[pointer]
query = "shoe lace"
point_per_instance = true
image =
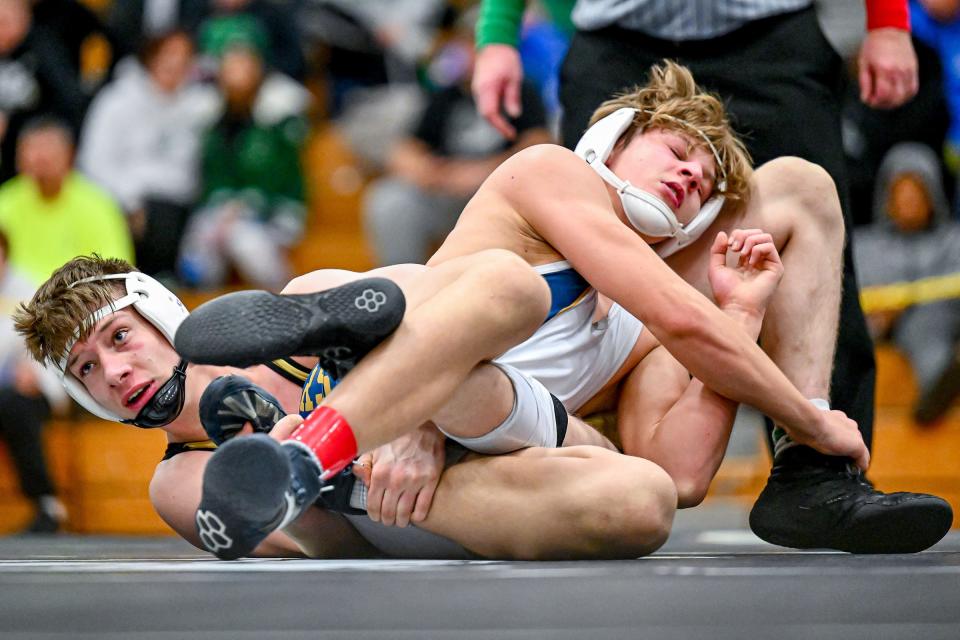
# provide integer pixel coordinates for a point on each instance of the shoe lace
(853, 472)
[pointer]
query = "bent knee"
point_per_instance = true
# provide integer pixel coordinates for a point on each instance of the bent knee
(810, 184)
(638, 503)
(653, 509)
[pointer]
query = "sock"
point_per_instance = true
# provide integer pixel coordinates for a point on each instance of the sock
(52, 506)
(782, 441)
(328, 435)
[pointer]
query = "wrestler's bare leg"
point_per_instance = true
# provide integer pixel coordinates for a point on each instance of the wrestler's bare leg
(460, 313)
(574, 502)
(795, 201)
(538, 504)
(486, 397)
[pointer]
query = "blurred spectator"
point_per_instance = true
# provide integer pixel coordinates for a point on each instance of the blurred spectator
(372, 42)
(543, 45)
(72, 24)
(370, 56)
(252, 209)
(432, 173)
(50, 212)
(27, 394)
(348, 54)
(141, 142)
(136, 21)
(405, 28)
(912, 238)
(35, 77)
(281, 47)
(937, 23)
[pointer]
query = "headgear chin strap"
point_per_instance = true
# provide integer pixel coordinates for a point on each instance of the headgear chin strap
(648, 214)
(159, 306)
(166, 404)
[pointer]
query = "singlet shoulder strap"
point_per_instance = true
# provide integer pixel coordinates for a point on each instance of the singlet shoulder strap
(290, 369)
(176, 448)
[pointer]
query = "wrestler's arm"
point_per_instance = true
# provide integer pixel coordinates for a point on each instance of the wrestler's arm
(674, 420)
(569, 207)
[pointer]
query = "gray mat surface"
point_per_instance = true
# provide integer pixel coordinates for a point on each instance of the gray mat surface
(712, 580)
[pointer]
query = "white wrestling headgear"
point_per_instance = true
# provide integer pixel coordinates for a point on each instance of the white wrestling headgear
(152, 300)
(648, 213)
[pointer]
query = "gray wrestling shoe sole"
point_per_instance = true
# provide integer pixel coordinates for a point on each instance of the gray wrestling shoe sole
(252, 486)
(339, 325)
(243, 500)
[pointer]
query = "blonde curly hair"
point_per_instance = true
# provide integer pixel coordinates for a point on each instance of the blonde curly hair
(672, 101)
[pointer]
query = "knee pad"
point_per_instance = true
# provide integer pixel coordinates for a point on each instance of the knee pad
(538, 419)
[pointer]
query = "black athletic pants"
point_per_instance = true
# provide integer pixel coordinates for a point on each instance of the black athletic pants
(781, 81)
(158, 248)
(21, 422)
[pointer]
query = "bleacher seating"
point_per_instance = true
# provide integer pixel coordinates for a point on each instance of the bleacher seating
(102, 471)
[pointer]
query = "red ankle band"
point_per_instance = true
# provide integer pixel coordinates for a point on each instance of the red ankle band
(329, 436)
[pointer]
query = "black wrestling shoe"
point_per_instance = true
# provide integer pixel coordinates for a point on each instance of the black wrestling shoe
(253, 486)
(339, 325)
(344, 493)
(813, 501)
(44, 523)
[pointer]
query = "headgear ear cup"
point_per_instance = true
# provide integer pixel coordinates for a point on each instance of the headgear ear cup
(599, 140)
(646, 212)
(694, 229)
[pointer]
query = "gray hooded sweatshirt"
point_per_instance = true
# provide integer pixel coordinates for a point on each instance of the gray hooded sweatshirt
(882, 253)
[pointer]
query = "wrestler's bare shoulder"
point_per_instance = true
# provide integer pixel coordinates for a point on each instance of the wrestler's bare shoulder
(539, 161)
(547, 173)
